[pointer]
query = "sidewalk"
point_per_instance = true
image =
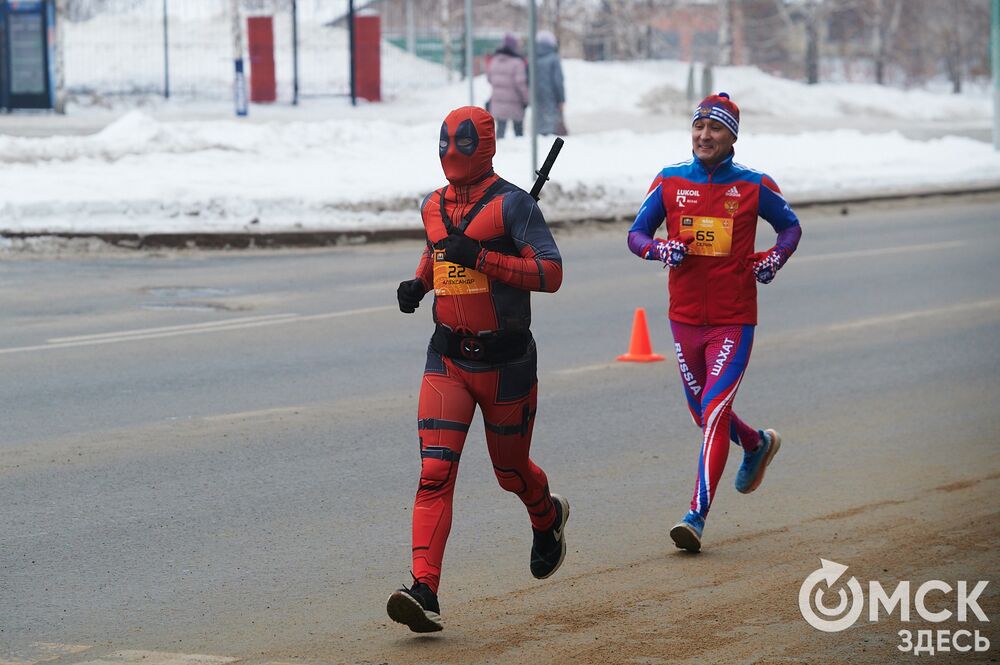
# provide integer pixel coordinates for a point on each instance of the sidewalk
(278, 240)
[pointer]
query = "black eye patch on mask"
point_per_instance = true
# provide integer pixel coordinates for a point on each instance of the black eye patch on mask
(443, 145)
(466, 130)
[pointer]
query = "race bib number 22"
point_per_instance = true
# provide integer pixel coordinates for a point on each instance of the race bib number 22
(452, 279)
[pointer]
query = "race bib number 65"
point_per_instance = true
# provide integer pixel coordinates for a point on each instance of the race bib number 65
(452, 279)
(712, 236)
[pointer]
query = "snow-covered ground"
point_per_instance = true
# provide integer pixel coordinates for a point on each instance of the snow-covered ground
(328, 166)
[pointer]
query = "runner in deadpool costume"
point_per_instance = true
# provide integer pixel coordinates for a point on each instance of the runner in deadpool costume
(488, 248)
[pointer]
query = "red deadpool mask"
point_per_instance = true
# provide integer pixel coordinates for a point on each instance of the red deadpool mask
(468, 143)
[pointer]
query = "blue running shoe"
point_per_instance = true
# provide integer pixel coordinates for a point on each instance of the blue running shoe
(751, 472)
(687, 533)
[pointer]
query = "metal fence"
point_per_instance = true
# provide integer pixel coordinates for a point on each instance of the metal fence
(184, 48)
(136, 47)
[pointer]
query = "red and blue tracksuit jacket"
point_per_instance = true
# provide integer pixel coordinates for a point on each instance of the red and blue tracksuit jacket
(721, 289)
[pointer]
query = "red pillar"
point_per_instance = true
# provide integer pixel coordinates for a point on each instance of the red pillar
(368, 57)
(260, 36)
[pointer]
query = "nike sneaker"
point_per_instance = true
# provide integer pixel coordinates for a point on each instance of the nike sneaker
(548, 548)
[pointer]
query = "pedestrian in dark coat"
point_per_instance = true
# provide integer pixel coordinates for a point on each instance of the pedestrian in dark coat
(507, 72)
(550, 93)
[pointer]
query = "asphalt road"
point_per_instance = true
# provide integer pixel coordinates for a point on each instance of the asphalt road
(215, 453)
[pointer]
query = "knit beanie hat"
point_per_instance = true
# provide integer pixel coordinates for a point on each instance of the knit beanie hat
(509, 42)
(545, 37)
(719, 107)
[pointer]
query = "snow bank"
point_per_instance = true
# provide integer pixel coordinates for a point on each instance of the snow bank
(334, 167)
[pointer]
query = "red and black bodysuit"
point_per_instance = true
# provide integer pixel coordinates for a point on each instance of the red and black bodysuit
(482, 351)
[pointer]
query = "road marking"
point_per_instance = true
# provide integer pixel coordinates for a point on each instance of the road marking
(260, 413)
(916, 314)
(881, 251)
(349, 312)
(810, 333)
(146, 331)
(193, 329)
(591, 368)
(244, 323)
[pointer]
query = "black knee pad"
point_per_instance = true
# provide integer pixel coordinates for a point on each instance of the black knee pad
(437, 467)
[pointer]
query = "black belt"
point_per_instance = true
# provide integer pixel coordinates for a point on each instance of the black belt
(493, 348)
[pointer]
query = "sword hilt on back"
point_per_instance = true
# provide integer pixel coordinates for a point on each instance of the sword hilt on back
(543, 173)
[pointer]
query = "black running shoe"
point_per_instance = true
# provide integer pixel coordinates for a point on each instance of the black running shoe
(417, 607)
(548, 549)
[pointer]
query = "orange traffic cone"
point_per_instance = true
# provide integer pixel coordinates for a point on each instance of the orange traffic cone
(639, 349)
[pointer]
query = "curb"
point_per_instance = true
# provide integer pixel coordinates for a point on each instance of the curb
(238, 240)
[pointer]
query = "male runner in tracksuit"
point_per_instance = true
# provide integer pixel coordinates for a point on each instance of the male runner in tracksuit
(711, 205)
(487, 248)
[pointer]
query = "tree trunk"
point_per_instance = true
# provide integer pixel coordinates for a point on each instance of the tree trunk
(812, 51)
(557, 21)
(955, 52)
(953, 62)
(60, 62)
(648, 51)
(725, 33)
(446, 56)
(884, 26)
(878, 41)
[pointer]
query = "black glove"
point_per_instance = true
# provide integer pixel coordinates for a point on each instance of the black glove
(460, 248)
(409, 294)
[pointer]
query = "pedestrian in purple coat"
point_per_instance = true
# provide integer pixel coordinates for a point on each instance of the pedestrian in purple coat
(507, 72)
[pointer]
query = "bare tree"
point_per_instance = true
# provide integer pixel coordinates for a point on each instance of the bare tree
(624, 26)
(60, 56)
(958, 36)
(446, 55)
(725, 50)
(765, 35)
(884, 22)
(573, 23)
(811, 16)
(82, 10)
(555, 18)
(952, 47)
